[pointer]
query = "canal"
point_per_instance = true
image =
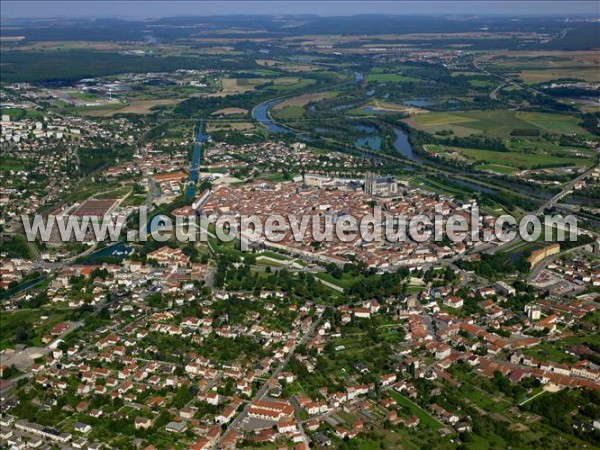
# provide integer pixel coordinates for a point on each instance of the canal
(201, 138)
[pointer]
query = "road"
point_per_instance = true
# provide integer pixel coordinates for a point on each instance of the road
(477, 63)
(548, 204)
(235, 424)
(494, 93)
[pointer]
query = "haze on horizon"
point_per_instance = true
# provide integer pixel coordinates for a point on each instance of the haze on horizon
(160, 9)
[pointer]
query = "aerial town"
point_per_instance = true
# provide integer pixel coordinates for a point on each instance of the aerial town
(300, 340)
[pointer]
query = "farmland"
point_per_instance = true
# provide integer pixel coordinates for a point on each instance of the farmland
(391, 78)
(509, 161)
(496, 123)
(538, 66)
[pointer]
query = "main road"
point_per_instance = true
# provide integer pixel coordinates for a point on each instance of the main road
(549, 204)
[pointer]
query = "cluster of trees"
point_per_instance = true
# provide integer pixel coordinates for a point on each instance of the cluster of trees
(380, 286)
(479, 142)
(562, 409)
(591, 122)
(240, 277)
(494, 266)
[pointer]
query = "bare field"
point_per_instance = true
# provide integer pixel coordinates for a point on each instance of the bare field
(135, 107)
(284, 65)
(286, 81)
(304, 99)
(540, 76)
(232, 86)
(540, 66)
(394, 107)
(230, 111)
(70, 45)
(212, 127)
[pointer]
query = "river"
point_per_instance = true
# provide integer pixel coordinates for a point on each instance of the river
(261, 113)
(401, 143)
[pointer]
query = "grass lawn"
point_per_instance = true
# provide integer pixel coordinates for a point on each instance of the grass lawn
(345, 282)
(550, 351)
(274, 255)
(11, 321)
(480, 83)
(484, 400)
(12, 164)
(416, 410)
(477, 443)
(347, 417)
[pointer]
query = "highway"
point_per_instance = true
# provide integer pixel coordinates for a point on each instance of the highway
(548, 204)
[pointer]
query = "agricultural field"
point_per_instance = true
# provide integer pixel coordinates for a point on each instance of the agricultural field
(230, 111)
(289, 112)
(391, 78)
(539, 66)
(233, 86)
(481, 83)
(377, 106)
(508, 161)
(141, 107)
(304, 99)
(287, 65)
(496, 123)
(293, 108)
(212, 127)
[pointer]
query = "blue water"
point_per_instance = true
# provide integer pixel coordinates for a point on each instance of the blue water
(372, 142)
(118, 250)
(371, 110)
(366, 128)
(358, 77)
(342, 107)
(260, 113)
(402, 145)
(196, 159)
(22, 287)
(322, 130)
(417, 102)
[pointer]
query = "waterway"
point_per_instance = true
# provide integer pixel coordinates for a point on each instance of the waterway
(201, 138)
(371, 142)
(117, 250)
(402, 145)
(261, 113)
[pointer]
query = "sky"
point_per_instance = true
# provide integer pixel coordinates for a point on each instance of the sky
(144, 9)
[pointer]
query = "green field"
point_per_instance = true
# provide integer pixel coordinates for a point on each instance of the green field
(12, 322)
(345, 282)
(391, 78)
(502, 161)
(496, 123)
(12, 164)
(423, 415)
(497, 168)
(481, 83)
(289, 112)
